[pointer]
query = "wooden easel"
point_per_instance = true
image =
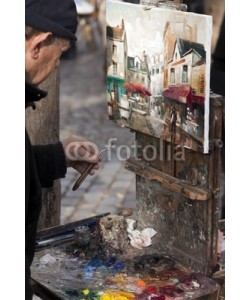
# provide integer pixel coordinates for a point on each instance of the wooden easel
(185, 214)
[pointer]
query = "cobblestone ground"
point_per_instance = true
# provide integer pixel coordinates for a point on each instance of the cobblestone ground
(83, 112)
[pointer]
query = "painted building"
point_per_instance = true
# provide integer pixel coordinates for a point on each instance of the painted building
(186, 70)
(172, 31)
(186, 85)
(137, 70)
(156, 65)
(117, 49)
(187, 66)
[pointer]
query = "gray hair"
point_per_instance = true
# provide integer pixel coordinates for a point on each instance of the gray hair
(29, 32)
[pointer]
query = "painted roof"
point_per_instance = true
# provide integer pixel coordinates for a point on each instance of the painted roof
(116, 33)
(186, 46)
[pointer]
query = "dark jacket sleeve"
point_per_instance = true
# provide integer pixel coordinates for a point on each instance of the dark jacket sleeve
(50, 163)
(28, 288)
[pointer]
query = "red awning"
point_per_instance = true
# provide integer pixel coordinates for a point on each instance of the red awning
(142, 89)
(198, 99)
(137, 87)
(129, 87)
(183, 94)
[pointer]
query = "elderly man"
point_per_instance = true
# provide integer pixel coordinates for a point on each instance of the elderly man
(50, 26)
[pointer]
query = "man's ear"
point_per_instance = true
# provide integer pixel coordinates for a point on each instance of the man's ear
(37, 42)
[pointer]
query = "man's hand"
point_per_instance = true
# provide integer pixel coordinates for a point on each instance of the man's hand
(80, 153)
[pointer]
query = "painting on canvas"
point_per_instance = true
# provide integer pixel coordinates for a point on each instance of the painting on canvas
(158, 68)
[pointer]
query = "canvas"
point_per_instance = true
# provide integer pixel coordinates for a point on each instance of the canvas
(158, 69)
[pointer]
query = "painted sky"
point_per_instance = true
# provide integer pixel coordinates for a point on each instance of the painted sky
(145, 28)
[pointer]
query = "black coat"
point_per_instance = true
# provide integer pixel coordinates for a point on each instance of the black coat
(43, 164)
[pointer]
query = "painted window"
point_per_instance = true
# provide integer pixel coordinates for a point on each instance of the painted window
(114, 49)
(114, 68)
(185, 74)
(172, 75)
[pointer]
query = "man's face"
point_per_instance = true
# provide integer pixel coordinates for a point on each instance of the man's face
(43, 56)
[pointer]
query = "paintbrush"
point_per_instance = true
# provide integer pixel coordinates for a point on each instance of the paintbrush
(85, 173)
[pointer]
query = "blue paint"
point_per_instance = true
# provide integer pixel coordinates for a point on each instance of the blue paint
(118, 267)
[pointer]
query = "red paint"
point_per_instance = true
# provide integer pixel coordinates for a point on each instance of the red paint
(137, 87)
(167, 290)
(151, 290)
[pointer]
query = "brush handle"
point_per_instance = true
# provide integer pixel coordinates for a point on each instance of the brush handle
(82, 177)
(85, 174)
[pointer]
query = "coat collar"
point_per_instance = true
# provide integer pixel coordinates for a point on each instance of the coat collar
(32, 94)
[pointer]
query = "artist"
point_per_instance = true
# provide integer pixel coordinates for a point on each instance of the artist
(50, 26)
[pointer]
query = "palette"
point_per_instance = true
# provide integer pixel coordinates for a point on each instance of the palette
(66, 273)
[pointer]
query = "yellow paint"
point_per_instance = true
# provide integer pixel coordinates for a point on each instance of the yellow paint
(105, 297)
(85, 292)
(117, 295)
(127, 295)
